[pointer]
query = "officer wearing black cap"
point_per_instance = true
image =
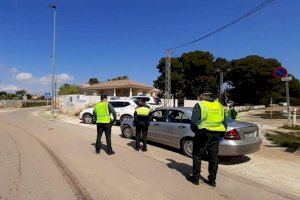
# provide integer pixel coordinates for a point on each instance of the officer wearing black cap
(209, 125)
(141, 121)
(102, 115)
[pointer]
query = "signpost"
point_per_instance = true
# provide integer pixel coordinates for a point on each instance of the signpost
(47, 97)
(282, 73)
(286, 80)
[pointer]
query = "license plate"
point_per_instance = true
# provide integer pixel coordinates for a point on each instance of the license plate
(251, 135)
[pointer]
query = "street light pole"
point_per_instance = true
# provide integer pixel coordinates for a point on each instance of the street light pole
(53, 7)
(221, 83)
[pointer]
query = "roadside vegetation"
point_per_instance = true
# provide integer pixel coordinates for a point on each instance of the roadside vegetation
(14, 96)
(249, 79)
(296, 127)
(34, 103)
(290, 139)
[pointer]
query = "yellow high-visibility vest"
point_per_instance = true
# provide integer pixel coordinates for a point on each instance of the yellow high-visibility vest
(102, 111)
(229, 114)
(142, 111)
(212, 116)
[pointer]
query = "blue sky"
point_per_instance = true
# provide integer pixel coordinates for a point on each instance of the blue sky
(104, 39)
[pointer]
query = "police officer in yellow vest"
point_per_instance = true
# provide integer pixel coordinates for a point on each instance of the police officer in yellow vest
(209, 126)
(141, 121)
(232, 113)
(102, 115)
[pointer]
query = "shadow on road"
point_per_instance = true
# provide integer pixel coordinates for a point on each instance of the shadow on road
(233, 160)
(183, 168)
(57, 115)
(131, 144)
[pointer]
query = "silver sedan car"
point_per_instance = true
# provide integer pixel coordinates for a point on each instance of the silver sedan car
(171, 127)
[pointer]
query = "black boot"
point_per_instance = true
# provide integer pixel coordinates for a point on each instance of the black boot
(137, 146)
(110, 151)
(212, 183)
(144, 149)
(193, 179)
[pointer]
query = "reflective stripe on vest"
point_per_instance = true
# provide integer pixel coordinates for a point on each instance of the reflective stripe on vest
(212, 116)
(102, 112)
(142, 111)
(229, 114)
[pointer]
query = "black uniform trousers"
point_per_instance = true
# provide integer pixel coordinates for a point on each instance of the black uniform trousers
(206, 141)
(107, 129)
(141, 128)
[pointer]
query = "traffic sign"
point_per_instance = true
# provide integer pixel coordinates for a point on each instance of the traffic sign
(48, 95)
(287, 78)
(279, 72)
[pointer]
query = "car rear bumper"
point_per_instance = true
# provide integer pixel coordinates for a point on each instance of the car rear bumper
(239, 147)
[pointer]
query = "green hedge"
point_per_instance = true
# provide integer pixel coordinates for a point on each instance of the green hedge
(34, 103)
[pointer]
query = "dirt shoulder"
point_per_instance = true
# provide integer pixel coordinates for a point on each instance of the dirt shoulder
(274, 166)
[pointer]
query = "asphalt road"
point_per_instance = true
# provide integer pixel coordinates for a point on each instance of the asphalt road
(48, 159)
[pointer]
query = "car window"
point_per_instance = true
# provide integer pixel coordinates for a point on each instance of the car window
(119, 104)
(175, 116)
(126, 104)
(158, 116)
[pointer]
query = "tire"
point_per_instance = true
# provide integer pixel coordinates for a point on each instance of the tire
(187, 147)
(125, 117)
(87, 118)
(127, 131)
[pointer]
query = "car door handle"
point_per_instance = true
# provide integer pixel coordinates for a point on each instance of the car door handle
(155, 124)
(181, 127)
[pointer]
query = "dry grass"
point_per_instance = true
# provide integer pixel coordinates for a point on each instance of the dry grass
(290, 139)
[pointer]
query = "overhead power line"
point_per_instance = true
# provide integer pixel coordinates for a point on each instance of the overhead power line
(247, 14)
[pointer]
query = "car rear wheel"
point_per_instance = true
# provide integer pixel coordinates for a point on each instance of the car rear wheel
(187, 147)
(87, 118)
(125, 117)
(127, 131)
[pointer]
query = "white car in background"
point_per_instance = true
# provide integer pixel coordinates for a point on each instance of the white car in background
(124, 109)
(152, 102)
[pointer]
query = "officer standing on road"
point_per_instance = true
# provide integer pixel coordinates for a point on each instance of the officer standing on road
(232, 113)
(209, 126)
(102, 115)
(141, 121)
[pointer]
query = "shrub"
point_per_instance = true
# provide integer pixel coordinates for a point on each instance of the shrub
(291, 139)
(34, 103)
(296, 127)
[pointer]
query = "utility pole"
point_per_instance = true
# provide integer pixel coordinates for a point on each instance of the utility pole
(53, 7)
(167, 77)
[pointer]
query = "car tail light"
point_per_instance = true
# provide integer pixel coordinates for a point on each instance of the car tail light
(232, 135)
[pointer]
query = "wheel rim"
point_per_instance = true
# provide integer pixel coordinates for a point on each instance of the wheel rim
(127, 132)
(88, 119)
(188, 147)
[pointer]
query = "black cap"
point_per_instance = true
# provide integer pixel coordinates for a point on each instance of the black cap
(103, 96)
